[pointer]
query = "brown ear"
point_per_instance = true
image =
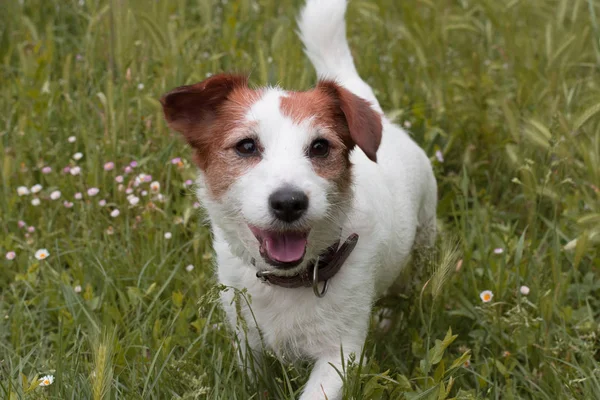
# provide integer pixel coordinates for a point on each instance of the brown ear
(364, 123)
(189, 109)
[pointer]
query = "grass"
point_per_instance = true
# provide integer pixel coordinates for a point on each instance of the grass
(505, 92)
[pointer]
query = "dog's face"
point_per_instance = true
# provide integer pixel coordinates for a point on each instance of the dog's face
(274, 165)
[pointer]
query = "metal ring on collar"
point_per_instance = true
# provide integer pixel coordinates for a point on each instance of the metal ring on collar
(315, 282)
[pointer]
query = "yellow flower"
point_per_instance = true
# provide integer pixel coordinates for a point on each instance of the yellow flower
(42, 254)
(486, 296)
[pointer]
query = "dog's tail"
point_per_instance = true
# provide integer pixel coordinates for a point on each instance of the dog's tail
(322, 29)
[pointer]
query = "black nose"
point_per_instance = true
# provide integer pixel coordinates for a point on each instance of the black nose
(288, 204)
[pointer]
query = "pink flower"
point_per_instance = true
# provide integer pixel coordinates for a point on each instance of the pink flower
(499, 250)
(31, 229)
(196, 205)
(68, 204)
(21, 224)
(102, 203)
(109, 166)
(67, 169)
(119, 179)
(133, 164)
(129, 191)
(93, 191)
(176, 160)
(147, 178)
(78, 196)
(128, 169)
(46, 170)
(75, 170)
(188, 182)
(11, 255)
(439, 156)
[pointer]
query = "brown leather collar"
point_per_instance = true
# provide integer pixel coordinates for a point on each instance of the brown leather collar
(329, 262)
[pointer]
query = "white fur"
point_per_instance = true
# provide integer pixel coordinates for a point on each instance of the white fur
(393, 207)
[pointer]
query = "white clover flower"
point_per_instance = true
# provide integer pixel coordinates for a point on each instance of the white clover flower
(524, 290)
(22, 191)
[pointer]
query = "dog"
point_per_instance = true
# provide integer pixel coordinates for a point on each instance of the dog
(315, 199)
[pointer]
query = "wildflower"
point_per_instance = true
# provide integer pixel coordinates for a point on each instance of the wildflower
(120, 187)
(21, 224)
(196, 205)
(109, 166)
(68, 204)
(31, 229)
(93, 191)
(467, 364)
(506, 353)
(524, 290)
(133, 164)
(77, 156)
(155, 186)
(133, 200)
(78, 196)
(176, 160)
(140, 86)
(46, 170)
(110, 230)
(498, 250)
(129, 190)
(72, 139)
(486, 296)
(22, 191)
(128, 169)
(11, 255)
(115, 213)
(407, 124)
(35, 202)
(102, 203)
(77, 289)
(168, 235)
(439, 156)
(66, 169)
(42, 254)
(55, 195)
(75, 170)
(144, 193)
(189, 268)
(119, 179)
(160, 198)
(36, 188)
(147, 178)
(189, 182)
(46, 380)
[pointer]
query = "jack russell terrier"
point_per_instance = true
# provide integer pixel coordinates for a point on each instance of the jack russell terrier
(315, 200)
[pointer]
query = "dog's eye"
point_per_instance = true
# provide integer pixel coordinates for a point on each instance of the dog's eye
(246, 147)
(319, 148)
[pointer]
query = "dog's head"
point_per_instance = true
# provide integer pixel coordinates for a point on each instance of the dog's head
(275, 167)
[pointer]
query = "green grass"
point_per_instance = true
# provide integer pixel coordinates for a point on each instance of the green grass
(507, 91)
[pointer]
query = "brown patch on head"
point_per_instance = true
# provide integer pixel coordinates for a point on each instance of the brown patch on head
(343, 119)
(211, 115)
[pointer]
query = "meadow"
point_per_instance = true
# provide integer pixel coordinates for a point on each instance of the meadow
(106, 277)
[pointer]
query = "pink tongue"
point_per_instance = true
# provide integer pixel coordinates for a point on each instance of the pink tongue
(285, 247)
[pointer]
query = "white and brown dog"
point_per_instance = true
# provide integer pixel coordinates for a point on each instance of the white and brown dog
(315, 198)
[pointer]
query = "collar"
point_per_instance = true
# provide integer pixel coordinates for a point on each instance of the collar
(322, 269)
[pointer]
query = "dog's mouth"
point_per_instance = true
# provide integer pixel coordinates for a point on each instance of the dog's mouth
(282, 249)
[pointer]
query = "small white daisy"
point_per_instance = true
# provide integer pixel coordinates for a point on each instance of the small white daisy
(11, 255)
(168, 235)
(77, 156)
(115, 213)
(77, 289)
(486, 296)
(55, 195)
(36, 188)
(46, 380)
(35, 202)
(78, 196)
(42, 254)
(524, 290)
(140, 86)
(189, 268)
(155, 186)
(72, 139)
(93, 191)
(22, 191)
(75, 170)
